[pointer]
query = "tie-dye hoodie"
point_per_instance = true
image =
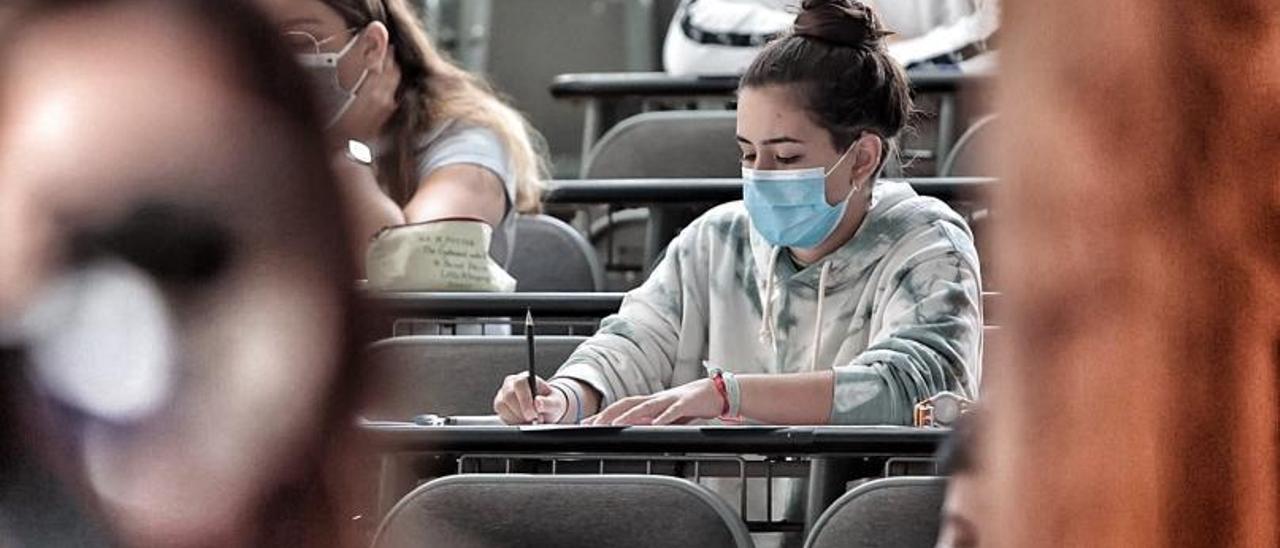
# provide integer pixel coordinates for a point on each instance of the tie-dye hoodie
(896, 311)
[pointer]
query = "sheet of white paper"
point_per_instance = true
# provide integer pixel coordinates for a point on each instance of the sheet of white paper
(743, 428)
(567, 427)
(366, 422)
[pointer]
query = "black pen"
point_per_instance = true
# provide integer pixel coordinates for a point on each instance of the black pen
(533, 373)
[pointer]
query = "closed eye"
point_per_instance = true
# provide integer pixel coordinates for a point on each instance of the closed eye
(788, 160)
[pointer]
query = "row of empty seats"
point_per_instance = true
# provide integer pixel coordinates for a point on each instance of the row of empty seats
(938, 91)
(512, 510)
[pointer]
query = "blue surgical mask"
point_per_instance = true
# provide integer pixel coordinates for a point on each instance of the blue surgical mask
(789, 206)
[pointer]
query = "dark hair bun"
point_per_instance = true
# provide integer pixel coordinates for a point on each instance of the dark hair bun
(841, 22)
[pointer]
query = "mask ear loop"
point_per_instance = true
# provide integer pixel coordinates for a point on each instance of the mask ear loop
(833, 169)
(353, 94)
(347, 48)
(351, 100)
(328, 58)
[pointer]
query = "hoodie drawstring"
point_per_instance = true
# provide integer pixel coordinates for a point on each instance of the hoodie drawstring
(768, 331)
(817, 323)
(766, 307)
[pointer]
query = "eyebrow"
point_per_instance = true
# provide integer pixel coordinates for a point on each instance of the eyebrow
(773, 141)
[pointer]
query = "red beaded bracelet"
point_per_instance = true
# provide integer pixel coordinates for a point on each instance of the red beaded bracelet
(718, 380)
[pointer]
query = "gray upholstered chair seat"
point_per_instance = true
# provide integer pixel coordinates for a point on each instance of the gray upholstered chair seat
(899, 512)
(513, 511)
(551, 256)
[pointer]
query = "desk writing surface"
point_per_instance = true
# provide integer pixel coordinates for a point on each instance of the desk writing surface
(789, 440)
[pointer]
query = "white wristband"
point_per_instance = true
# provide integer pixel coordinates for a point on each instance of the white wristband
(734, 390)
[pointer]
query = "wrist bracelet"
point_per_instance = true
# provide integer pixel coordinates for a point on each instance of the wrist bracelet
(730, 391)
(735, 394)
(565, 413)
(568, 389)
(718, 380)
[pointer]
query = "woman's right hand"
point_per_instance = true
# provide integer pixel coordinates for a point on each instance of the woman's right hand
(514, 405)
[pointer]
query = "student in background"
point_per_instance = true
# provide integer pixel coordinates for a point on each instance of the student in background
(721, 37)
(940, 32)
(444, 145)
(826, 297)
(173, 284)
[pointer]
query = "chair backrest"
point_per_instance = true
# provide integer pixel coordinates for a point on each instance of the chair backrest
(451, 375)
(970, 155)
(510, 510)
(902, 512)
(550, 256)
(680, 143)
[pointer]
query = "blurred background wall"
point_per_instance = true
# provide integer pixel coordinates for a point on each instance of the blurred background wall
(543, 38)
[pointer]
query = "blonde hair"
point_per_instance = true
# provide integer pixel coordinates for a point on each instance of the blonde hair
(434, 90)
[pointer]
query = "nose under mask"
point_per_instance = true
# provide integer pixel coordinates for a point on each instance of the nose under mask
(789, 207)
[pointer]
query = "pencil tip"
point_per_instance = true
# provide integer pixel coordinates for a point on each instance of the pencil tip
(528, 316)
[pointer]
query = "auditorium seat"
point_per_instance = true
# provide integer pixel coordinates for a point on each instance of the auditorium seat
(450, 375)
(900, 512)
(968, 158)
(680, 143)
(509, 510)
(550, 256)
(669, 144)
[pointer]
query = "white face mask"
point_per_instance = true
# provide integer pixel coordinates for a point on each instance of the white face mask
(323, 69)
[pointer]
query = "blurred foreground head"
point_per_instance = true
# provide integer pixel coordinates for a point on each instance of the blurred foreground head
(173, 295)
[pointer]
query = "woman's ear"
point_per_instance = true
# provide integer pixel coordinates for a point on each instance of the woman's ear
(866, 158)
(374, 47)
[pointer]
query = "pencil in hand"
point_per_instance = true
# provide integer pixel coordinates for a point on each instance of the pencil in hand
(533, 373)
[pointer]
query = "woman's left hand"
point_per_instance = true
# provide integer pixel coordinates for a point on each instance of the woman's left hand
(696, 400)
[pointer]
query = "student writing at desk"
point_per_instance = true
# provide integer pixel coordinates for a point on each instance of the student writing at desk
(826, 297)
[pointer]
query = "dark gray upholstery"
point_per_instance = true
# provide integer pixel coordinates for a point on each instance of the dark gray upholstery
(551, 256)
(680, 143)
(619, 241)
(668, 144)
(450, 375)
(513, 511)
(885, 513)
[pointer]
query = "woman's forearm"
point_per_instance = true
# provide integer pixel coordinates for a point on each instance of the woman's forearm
(793, 398)
(368, 209)
(371, 211)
